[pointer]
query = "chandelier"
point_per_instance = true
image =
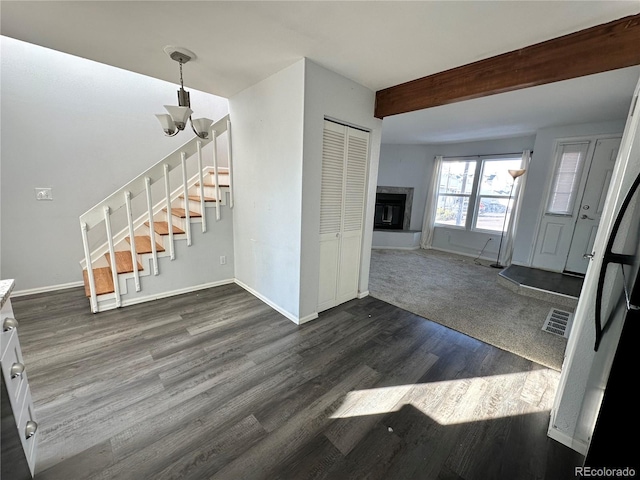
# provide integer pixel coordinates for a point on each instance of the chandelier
(176, 120)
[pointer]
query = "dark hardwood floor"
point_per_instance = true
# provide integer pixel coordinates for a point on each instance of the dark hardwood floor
(217, 385)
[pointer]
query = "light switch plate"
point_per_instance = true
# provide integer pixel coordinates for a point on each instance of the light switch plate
(43, 193)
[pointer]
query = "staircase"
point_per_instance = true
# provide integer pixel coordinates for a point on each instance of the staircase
(133, 233)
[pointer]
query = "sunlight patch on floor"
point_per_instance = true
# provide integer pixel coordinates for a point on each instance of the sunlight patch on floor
(462, 400)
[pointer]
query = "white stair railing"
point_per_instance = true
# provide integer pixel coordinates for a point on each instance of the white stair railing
(100, 214)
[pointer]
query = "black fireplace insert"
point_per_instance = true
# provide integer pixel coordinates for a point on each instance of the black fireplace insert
(389, 214)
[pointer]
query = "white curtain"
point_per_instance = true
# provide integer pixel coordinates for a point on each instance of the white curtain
(509, 234)
(428, 222)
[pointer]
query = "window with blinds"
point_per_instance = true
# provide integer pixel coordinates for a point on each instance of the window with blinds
(569, 162)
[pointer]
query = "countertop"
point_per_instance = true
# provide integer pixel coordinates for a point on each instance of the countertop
(6, 286)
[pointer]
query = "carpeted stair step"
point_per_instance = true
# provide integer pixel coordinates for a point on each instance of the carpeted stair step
(143, 244)
(103, 279)
(124, 264)
(182, 213)
(162, 228)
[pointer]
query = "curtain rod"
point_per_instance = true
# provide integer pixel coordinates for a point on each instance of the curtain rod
(485, 155)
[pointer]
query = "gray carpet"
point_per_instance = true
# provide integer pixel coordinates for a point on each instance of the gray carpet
(454, 291)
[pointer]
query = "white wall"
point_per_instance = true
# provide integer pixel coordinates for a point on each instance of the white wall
(408, 166)
(277, 145)
(267, 137)
(328, 94)
(82, 128)
(538, 178)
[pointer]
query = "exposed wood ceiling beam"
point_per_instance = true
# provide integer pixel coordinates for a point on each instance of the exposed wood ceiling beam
(597, 49)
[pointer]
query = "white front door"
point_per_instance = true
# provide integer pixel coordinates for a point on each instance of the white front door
(595, 192)
(572, 212)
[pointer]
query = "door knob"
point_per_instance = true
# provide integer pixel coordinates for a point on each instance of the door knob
(30, 429)
(588, 256)
(9, 324)
(17, 369)
(586, 217)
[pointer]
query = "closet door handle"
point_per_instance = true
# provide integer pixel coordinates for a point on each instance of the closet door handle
(9, 324)
(17, 369)
(30, 429)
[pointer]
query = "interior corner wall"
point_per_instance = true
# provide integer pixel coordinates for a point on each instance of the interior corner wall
(539, 176)
(267, 138)
(82, 128)
(330, 95)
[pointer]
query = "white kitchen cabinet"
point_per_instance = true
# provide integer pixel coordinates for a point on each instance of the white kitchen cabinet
(19, 427)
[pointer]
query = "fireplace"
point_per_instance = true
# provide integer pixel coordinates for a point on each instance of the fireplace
(393, 208)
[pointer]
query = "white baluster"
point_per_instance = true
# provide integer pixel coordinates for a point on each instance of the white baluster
(112, 254)
(152, 228)
(134, 255)
(185, 190)
(229, 150)
(215, 172)
(87, 256)
(167, 190)
(201, 189)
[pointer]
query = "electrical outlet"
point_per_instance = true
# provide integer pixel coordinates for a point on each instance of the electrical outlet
(223, 260)
(44, 194)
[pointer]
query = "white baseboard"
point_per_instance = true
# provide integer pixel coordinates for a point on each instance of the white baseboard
(277, 308)
(363, 294)
(470, 255)
(172, 293)
(308, 318)
(566, 440)
(50, 288)
(395, 248)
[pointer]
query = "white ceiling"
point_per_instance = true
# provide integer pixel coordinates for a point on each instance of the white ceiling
(375, 43)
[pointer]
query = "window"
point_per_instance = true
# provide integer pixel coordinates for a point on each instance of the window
(454, 190)
(566, 178)
(474, 193)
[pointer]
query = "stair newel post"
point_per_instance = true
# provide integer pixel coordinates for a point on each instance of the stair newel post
(201, 187)
(112, 253)
(87, 256)
(214, 137)
(185, 189)
(134, 255)
(229, 152)
(152, 228)
(167, 191)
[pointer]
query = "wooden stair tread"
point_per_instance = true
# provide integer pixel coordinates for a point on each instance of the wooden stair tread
(196, 198)
(211, 184)
(182, 213)
(123, 262)
(143, 244)
(103, 279)
(162, 228)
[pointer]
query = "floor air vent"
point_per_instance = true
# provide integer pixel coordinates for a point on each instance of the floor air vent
(558, 322)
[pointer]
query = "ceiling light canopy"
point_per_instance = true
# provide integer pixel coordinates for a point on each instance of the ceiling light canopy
(176, 120)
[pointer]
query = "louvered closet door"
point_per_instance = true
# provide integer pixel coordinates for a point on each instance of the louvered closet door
(344, 172)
